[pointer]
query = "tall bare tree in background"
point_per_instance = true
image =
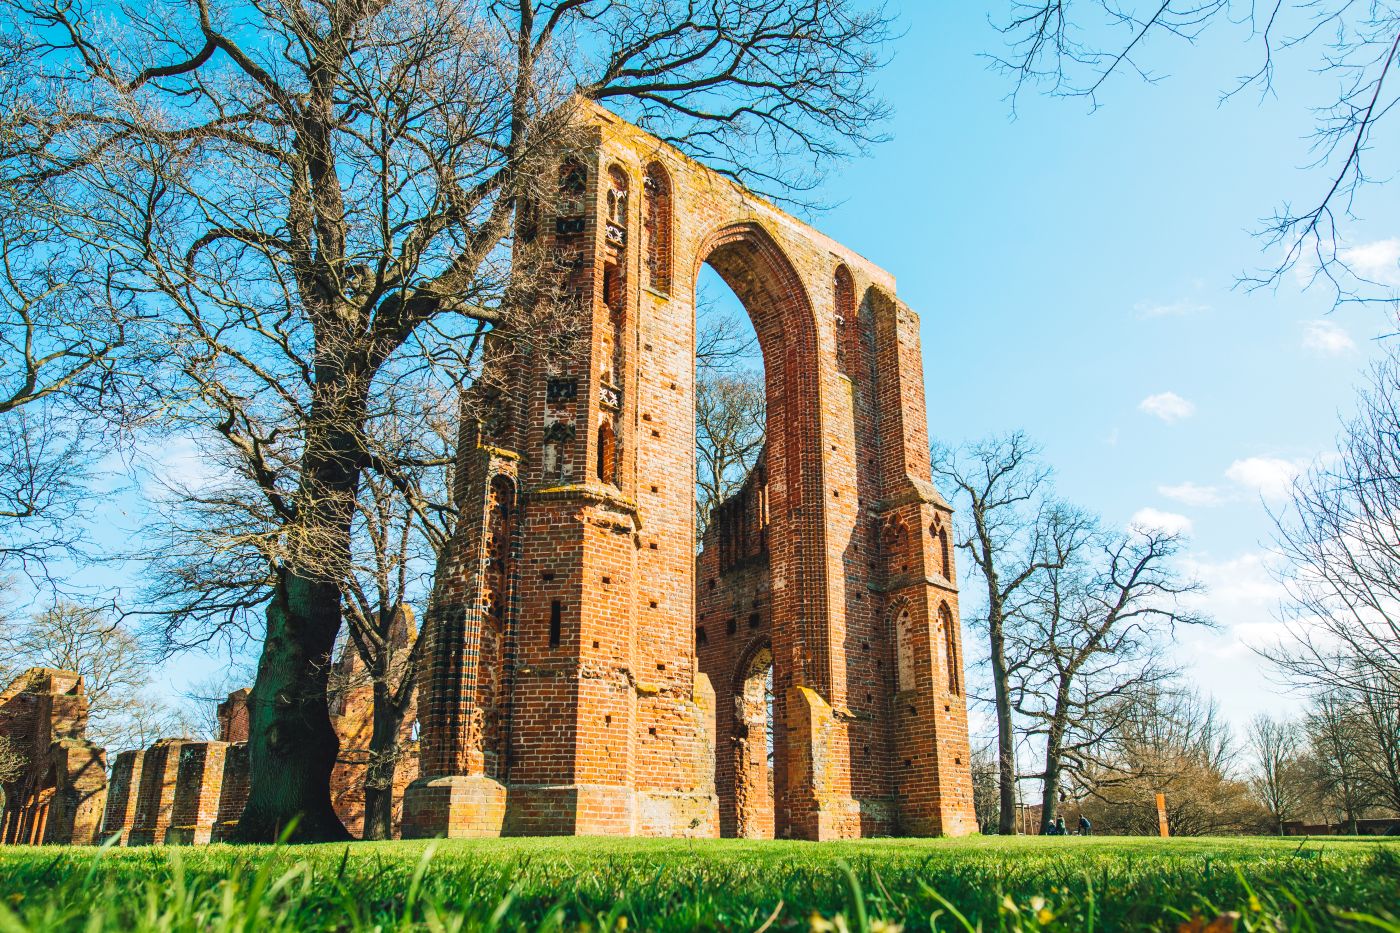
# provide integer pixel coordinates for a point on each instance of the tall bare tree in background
(1278, 776)
(730, 404)
(1341, 542)
(1090, 641)
(116, 670)
(1170, 741)
(1336, 739)
(1013, 530)
(1075, 50)
(61, 350)
(317, 196)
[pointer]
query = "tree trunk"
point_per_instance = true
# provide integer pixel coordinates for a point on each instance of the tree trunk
(1006, 738)
(1054, 754)
(291, 744)
(292, 747)
(384, 753)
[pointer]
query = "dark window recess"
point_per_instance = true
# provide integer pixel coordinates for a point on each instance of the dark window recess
(732, 626)
(700, 637)
(755, 620)
(567, 226)
(556, 622)
(562, 390)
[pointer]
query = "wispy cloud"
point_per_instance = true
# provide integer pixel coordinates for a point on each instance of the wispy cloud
(1146, 309)
(1189, 493)
(1168, 406)
(1378, 261)
(1150, 519)
(1327, 337)
(1270, 477)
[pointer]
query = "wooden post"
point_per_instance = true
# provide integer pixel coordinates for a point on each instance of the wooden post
(1162, 816)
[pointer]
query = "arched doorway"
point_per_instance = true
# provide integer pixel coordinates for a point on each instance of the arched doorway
(761, 598)
(754, 754)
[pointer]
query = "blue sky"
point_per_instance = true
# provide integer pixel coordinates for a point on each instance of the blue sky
(1075, 274)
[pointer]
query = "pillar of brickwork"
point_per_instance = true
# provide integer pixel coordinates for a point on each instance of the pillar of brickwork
(929, 709)
(233, 716)
(155, 798)
(121, 796)
(233, 792)
(198, 788)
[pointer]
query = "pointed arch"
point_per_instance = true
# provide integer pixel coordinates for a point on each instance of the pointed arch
(656, 226)
(950, 652)
(847, 327)
(905, 667)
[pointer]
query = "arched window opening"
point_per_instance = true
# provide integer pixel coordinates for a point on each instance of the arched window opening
(607, 453)
(904, 649)
(656, 223)
(847, 327)
(945, 558)
(618, 187)
(573, 179)
(754, 751)
(945, 622)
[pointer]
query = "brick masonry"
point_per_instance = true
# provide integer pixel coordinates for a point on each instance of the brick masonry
(565, 689)
(60, 795)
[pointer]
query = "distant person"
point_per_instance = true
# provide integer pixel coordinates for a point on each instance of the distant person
(1060, 829)
(1049, 829)
(1085, 827)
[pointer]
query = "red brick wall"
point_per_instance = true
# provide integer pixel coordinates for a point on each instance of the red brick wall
(598, 717)
(60, 795)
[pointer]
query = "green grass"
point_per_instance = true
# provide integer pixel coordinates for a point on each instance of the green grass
(615, 884)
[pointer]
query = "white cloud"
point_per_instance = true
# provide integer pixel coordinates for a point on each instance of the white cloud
(1193, 494)
(1150, 519)
(1173, 309)
(1378, 261)
(1168, 406)
(1269, 477)
(1327, 337)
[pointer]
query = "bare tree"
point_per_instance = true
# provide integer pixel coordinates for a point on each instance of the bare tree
(311, 195)
(986, 796)
(1074, 50)
(1336, 740)
(1013, 531)
(12, 765)
(1091, 637)
(729, 436)
(1341, 541)
(1174, 743)
(1277, 777)
(115, 667)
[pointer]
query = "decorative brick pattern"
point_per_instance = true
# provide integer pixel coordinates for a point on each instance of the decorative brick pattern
(566, 685)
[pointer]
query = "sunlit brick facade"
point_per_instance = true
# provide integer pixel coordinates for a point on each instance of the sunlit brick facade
(567, 688)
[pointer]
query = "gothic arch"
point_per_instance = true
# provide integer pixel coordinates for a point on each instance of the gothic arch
(656, 225)
(760, 273)
(949, 650)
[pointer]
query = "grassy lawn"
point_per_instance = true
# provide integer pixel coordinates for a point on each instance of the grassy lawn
(619, 884)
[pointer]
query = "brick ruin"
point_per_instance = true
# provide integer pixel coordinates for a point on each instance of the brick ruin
(181, 791)
(588, 674)
(59, 794)
(178, 791)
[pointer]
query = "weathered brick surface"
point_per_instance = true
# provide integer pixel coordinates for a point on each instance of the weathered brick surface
(60, 795)
(564, 690)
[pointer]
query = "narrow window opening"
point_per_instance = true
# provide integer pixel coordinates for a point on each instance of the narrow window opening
(556, 623)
